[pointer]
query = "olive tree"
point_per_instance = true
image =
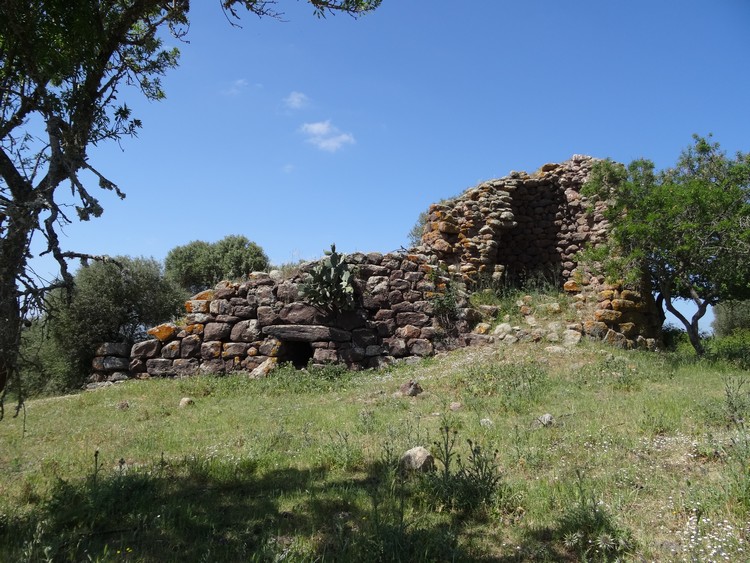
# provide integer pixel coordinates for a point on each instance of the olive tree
(730, 316)
(66, 69)
(198, 265)
(113, 301)
(686, 228)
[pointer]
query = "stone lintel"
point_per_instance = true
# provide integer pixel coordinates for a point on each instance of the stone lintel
(307, 333)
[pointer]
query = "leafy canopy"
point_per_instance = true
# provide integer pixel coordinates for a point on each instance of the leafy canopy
(66, 68)
(730, 316)
(113, 301)
(686, 228)
(199, 265)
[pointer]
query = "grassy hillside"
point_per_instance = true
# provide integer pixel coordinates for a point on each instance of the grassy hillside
(646, 458)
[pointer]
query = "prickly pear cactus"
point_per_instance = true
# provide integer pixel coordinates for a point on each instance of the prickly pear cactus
(330, 283)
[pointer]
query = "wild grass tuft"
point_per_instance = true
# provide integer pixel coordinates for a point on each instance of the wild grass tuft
(514, 385)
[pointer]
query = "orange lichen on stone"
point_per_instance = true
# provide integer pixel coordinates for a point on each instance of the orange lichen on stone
(197, 306)
(595, 328)
(630, 295)
(572, 286)
(446, 227)
(443, 246)
(163, 332)
(607, 315)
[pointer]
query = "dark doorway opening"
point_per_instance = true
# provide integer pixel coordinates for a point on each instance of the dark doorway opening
(298, 353)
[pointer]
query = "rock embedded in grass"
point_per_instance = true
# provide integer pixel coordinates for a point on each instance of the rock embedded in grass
(417, 459)
(411, 388)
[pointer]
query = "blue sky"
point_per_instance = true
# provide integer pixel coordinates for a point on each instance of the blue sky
(310, 131)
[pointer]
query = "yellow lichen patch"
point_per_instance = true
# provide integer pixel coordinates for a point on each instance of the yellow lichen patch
(629, 329)
(622, 305)
(630, 295)
(441, 245)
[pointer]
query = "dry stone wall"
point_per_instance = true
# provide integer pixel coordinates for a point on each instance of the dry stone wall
(253, 325)
(503, 230)
(527, 225)
(522, 224)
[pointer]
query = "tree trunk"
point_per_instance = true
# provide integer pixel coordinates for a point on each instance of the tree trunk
(10, 329)
(695, 340)
(691, 326)
(14, 246)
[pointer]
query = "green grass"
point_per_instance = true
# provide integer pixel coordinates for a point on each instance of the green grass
(647, 459)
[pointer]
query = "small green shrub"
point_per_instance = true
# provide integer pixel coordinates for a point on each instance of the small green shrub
(414, 237)
(445, 301)
(736, 400)
(113, 301)
(730, 316)
(465, 486)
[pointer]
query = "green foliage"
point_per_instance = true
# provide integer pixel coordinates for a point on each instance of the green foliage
(199, 265)
(289, 380)
(736, 400)
(686, 229)
(729, 316)
(65, 67)
(341, 452)
(734, 348)
(330, 283)
(111, 302)
(445, 307)
(415, 234)
(538, 284)
(445, 300)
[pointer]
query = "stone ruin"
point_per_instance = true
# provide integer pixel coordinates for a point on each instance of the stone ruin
(501, 231)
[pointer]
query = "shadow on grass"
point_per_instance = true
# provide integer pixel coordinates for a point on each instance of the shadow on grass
(211, 510)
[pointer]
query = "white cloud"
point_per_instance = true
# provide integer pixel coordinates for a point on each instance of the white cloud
(236, 87)
(296, 100)
(326, 136)
(317, 129)
(332, 144)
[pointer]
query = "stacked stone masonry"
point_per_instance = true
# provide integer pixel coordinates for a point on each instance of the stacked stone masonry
(504, 230)
(518, 225)
(252, 325)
